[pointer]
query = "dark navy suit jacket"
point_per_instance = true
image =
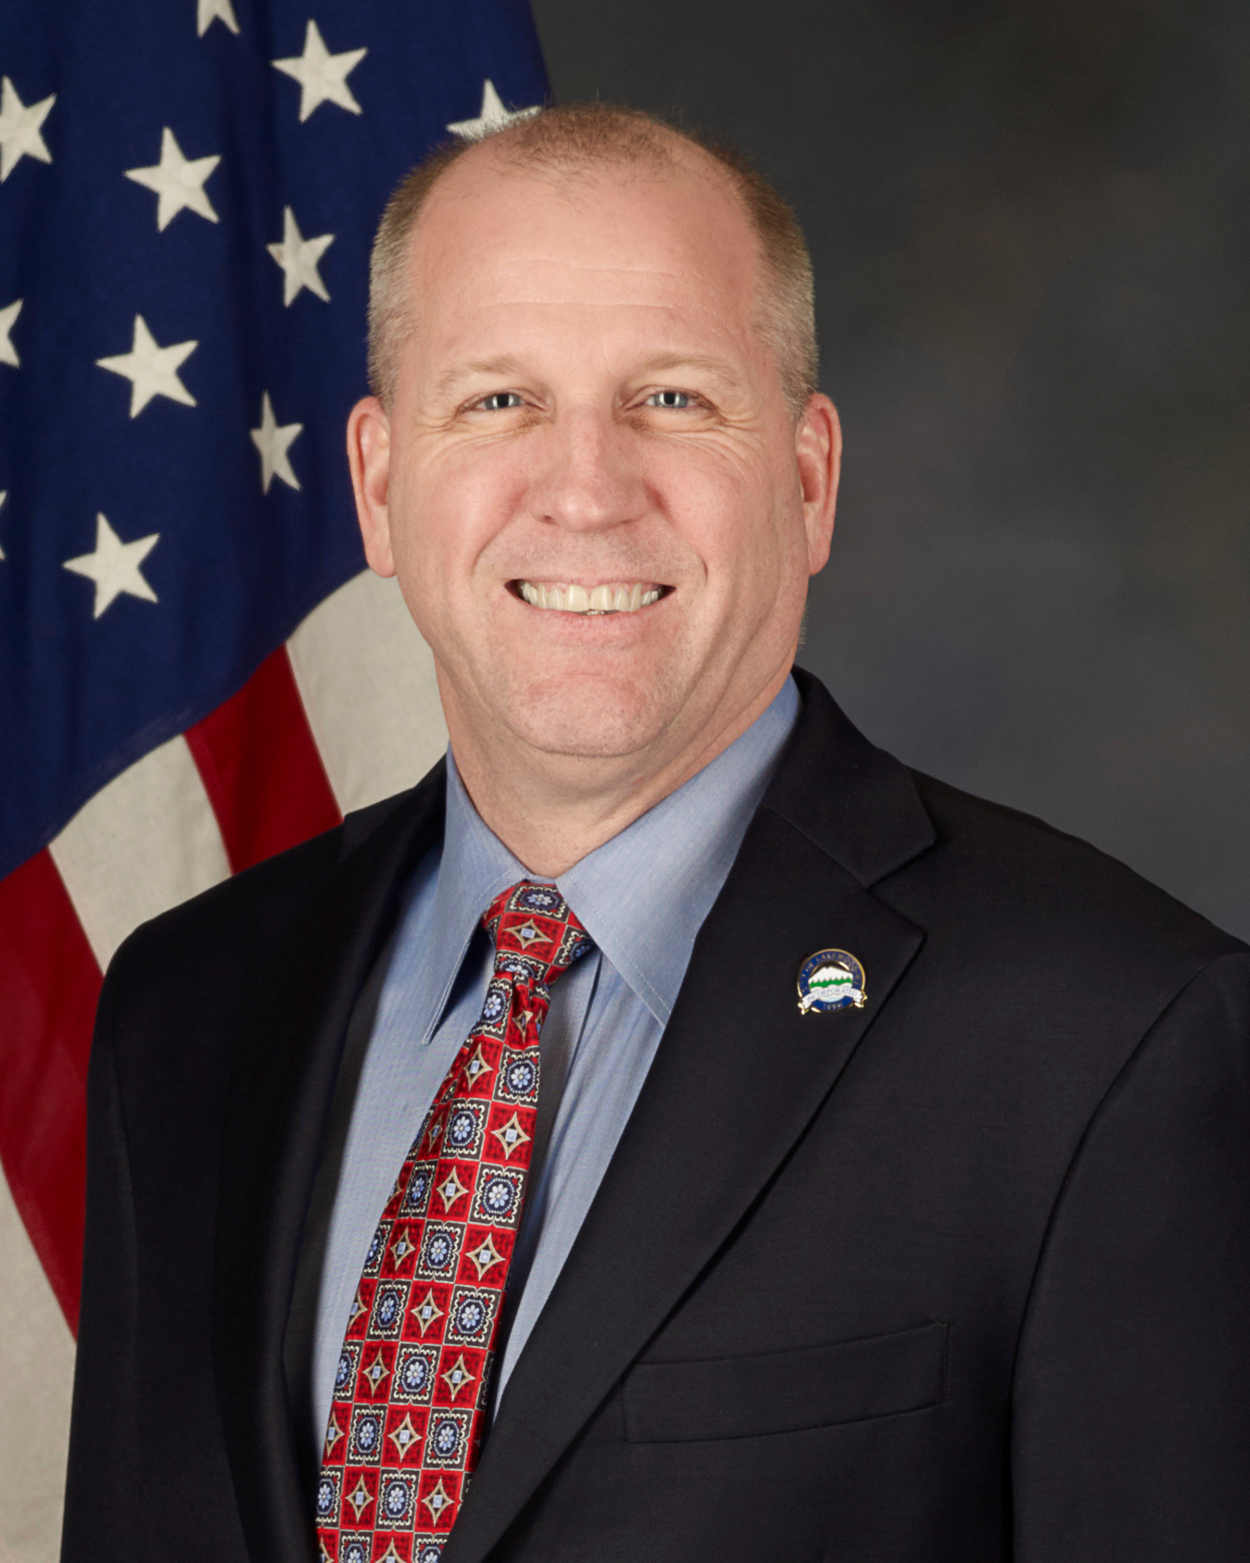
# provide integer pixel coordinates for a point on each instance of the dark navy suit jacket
(962, 1276)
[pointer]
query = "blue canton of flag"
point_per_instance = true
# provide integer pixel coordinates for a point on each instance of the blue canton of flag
(188, 189)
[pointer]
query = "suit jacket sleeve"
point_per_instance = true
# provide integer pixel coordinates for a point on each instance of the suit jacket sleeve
(103, 1456)
(1131, 1437)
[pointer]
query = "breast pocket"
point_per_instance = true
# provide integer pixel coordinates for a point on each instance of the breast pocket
(784, 1391)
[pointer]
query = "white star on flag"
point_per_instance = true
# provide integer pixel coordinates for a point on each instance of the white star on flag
(322, 76)
(114, 566)
(273, 440)
(151, 370)
(20, 129)
(210, 11)
(493, 116)
(178, 181)
(8, 318)
(298, 258)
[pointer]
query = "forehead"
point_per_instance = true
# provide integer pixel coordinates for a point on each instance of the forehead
(603, 243)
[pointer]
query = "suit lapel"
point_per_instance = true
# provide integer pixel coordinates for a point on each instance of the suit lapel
(308, 964)
(737, 1079)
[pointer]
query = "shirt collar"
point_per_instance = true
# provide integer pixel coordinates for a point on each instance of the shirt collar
(474, 868)
(643, 895)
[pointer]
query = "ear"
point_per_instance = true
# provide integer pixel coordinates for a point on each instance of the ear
(818, 448)
(369, 455)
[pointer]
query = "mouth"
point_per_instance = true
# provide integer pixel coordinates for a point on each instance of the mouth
(590, 601)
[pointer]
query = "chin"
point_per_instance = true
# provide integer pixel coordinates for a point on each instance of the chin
(592, 719)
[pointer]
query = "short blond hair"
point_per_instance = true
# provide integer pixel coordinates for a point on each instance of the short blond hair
(572, 138)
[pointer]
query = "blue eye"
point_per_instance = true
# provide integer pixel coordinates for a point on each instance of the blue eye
(677, 400)
(499, 401)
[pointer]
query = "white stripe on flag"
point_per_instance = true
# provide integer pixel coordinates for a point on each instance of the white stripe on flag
(145, 842)
(36, 1372)
(366, 678)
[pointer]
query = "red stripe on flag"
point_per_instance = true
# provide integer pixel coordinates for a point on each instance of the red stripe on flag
(49, 984)
(261, 768)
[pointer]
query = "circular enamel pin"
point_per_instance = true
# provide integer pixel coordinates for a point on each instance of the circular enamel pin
(829, 980)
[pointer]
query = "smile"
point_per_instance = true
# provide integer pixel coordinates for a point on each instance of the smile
(617, 597)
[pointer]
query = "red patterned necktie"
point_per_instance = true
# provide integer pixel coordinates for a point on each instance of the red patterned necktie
(406, 1421)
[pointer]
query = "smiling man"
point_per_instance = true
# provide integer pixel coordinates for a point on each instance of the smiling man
(674, 1130)
(601, 502)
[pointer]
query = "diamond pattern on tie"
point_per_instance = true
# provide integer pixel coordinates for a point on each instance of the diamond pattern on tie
(409, 1401)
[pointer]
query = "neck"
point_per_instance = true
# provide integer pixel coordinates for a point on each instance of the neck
(551, 810)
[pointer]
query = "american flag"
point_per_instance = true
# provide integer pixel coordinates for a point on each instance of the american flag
(194, 671)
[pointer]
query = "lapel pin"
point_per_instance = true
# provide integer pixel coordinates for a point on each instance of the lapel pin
(829, 980)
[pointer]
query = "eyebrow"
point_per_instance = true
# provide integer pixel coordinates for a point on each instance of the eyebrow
(505, 366)
(707, 362)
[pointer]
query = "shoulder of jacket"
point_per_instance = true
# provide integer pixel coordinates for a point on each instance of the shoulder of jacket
(1018, 881)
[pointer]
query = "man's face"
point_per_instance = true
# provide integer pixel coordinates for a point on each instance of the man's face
(586, 418)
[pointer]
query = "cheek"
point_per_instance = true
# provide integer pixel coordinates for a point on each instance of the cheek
(452, 506)
(730, 513)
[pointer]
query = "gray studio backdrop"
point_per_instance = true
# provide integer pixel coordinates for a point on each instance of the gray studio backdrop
(1031, 230)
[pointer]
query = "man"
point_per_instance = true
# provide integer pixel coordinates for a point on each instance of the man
(674, 1130)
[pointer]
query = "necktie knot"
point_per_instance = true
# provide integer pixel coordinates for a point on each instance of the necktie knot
(535, 931)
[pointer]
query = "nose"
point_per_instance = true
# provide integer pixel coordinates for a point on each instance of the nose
(590, 475)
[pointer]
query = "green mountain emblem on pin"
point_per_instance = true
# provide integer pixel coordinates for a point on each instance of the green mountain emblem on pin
(831, 985)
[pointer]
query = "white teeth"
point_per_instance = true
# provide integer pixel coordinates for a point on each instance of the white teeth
(621, 598)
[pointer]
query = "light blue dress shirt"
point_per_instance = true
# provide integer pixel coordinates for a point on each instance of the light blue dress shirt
(642, 897)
